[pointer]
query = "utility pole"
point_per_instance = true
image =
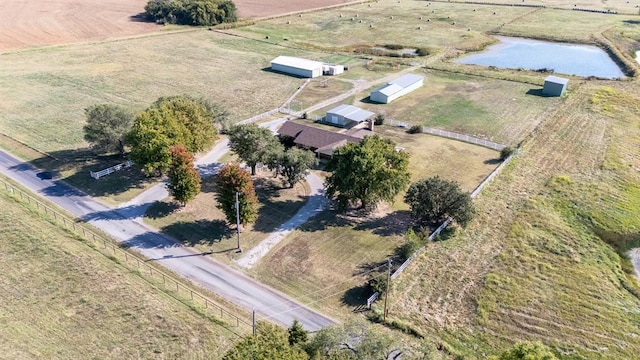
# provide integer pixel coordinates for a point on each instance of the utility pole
(386, 294)
(254, 321)
(238, 219)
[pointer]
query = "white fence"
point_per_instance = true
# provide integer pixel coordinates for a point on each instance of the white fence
(462, 137)
(372, 299)
(107, 171)
(450, 135)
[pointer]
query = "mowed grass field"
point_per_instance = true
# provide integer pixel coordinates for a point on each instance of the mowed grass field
(497, 110)
(45, 91)
(63, 300)
(389, 22)
(535, 264)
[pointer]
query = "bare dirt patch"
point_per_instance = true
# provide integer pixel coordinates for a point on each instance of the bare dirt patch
(261, 8)
(38, 23)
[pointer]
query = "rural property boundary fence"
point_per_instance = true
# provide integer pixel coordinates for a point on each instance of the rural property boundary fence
(238, 325)
(450, 135)
(437, 231)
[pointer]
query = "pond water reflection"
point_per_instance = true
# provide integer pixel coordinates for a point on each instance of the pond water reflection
(570, 59)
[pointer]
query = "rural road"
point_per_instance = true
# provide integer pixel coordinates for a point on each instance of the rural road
(121, 225)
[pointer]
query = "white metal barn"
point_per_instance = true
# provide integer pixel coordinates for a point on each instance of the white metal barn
(554, 86)
(297, 66)
(347, 115)
(396, 88)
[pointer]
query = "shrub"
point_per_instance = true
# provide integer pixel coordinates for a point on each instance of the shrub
(415, 129)
(379, 118)
(378, 284)
(394, 46)
(422, 52)
(505, 153)
(411, 245)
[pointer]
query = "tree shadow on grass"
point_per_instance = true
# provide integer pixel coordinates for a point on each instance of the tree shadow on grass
(356, 296)
(324, 220)
(204, 232)
(495, 161)
(274, 211)
(161, 209)
(78, 164)
(392, 224)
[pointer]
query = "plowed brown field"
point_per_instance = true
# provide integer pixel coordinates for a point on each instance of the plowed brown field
(50, 22)
(26, 24)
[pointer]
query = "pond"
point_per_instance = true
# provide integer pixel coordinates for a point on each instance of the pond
(570, 59)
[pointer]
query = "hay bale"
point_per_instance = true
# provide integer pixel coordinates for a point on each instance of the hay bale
(288, 22)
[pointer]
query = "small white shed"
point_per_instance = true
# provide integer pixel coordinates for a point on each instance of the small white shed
(396, 88)
(297, 66)
(554, 86)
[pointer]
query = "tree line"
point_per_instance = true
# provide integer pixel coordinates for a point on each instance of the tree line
(191, 12)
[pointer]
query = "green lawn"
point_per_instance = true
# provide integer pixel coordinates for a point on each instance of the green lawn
(63, 300)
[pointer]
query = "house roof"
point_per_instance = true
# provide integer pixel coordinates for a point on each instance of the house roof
(557, 80)
(297, 63)
(316, 139)
(351, 112)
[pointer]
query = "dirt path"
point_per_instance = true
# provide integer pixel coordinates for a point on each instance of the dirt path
(316, 203)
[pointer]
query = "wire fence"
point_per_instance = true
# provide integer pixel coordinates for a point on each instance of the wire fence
(237, 324)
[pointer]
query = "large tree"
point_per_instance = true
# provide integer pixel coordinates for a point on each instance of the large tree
(366, 173)
(184, 179)
(353, 340)
(270, 342)
(435, 199)
(170, 121)
(233, 179)
(295, 163)
(253, 144)
(106, 127)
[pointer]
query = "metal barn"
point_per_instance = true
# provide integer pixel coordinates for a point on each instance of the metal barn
(396, 88)
(348, 115)
(297, 66)
(554, 86)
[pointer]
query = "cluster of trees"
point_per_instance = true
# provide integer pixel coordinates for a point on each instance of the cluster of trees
(162, 139)
(191, 12)
(352, 341)
(373, 170)
(356, 340)
(255, 145)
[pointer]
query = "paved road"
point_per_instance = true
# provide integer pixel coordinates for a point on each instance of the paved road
(123, 226)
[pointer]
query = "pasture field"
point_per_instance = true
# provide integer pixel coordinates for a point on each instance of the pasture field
(373, 24)
(261, 9)
(202, 225)
(535, 264)
(620, 6)
(63, 300)
(496, 110)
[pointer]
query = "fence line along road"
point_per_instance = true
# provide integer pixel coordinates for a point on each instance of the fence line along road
(107, 171)
(239, 325)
